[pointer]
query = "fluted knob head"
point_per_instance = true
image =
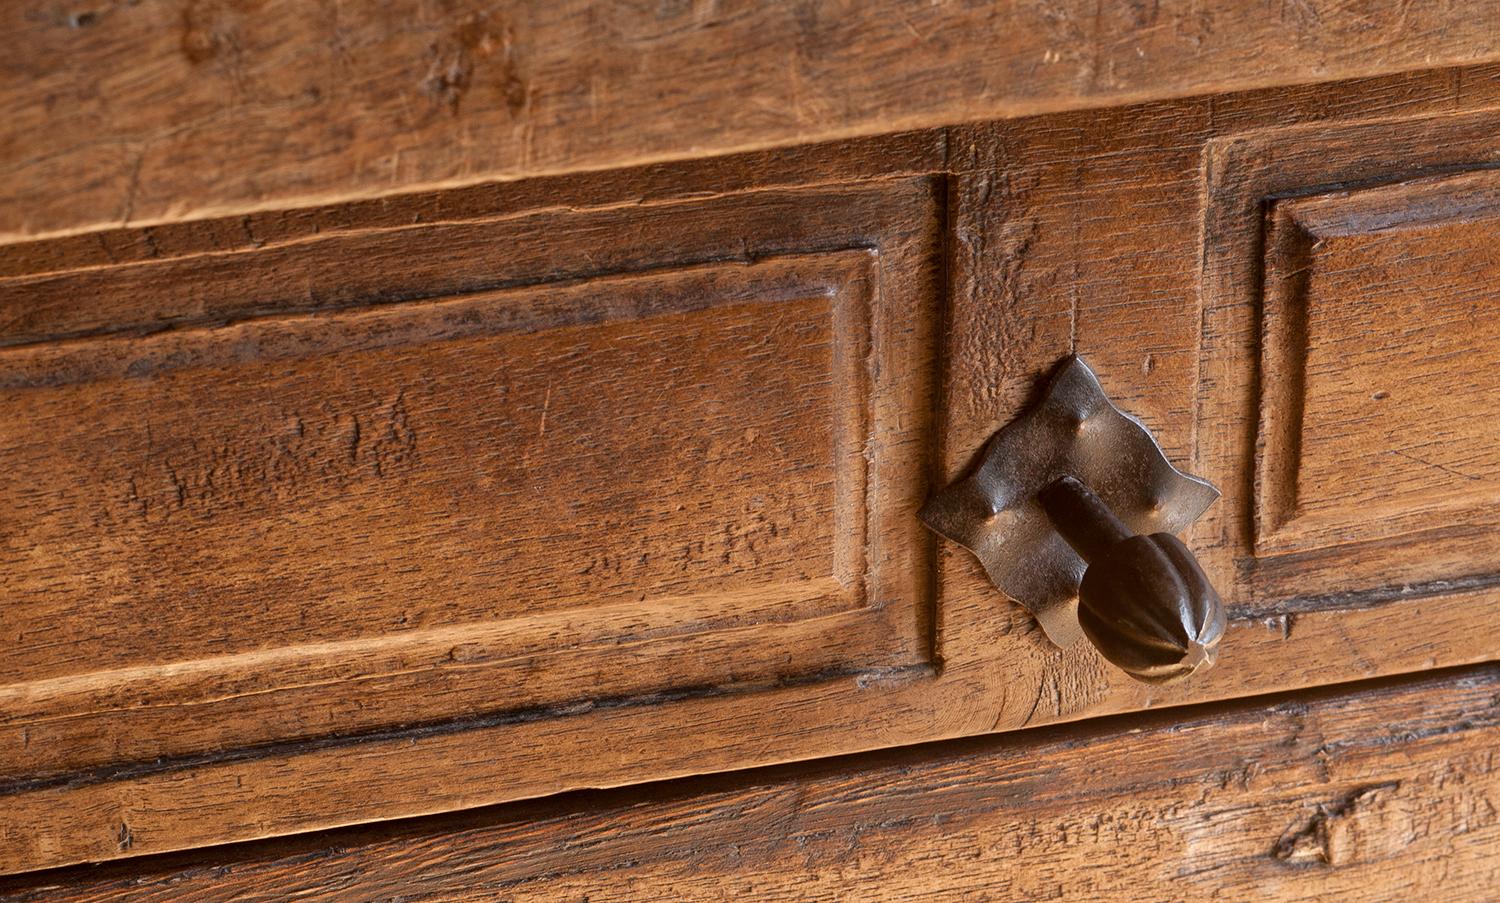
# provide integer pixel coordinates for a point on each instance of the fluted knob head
(1149, 608)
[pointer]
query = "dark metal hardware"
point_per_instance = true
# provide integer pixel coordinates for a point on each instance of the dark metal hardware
(1144, 602)
(1053, 511)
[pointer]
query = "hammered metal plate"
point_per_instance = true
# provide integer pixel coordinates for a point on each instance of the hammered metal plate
(1075, 430)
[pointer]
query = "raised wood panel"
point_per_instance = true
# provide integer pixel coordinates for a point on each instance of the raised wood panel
(1385, 792)
(998, 248)
(1379, 386)
(1347, 348)
(458, 484)
(142, 113)
(314, 510)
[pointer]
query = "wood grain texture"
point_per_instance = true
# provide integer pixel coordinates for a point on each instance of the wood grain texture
(1388, 792)
(1113, 234)
(122, 113)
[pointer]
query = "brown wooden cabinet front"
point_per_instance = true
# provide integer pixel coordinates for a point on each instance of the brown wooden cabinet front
(325, 516)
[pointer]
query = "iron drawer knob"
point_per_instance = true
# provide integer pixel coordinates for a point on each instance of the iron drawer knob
(1144, 602)
(1071, 509)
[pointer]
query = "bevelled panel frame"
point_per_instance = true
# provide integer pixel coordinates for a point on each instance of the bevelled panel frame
(1370, 379)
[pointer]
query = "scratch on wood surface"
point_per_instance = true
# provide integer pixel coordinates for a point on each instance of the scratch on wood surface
(1445, 469)
(326, 447)
(541, 429)
(132, 187)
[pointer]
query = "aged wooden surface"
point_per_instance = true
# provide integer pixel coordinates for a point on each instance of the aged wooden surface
(1381, 333)
(1389, 792)
(614, 487)
(673, 478)
(1128, 236)
(1369, 374)
(119, 112)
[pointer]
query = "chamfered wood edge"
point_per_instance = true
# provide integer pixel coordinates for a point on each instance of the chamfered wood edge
(1447, 198)
(1308, 759)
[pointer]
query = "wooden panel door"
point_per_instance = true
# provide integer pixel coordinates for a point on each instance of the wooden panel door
(419, 479)
(518, 499)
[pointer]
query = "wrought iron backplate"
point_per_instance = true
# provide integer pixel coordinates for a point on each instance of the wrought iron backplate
(1074, 431)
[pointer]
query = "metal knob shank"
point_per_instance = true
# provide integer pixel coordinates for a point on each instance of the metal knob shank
(1144, 602)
